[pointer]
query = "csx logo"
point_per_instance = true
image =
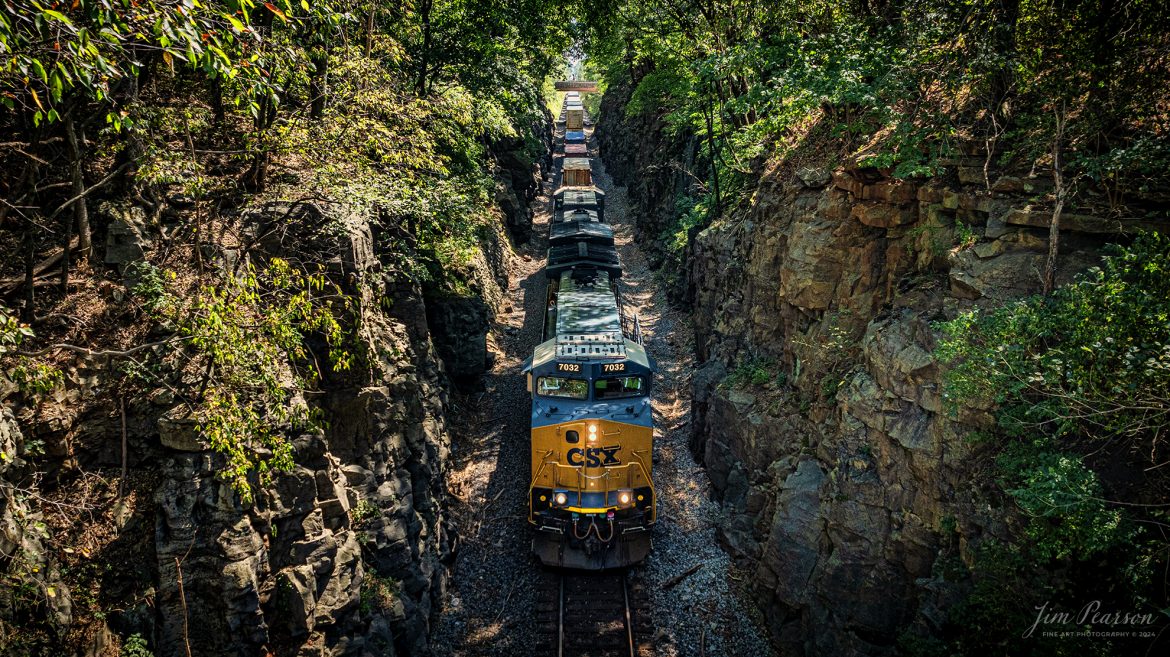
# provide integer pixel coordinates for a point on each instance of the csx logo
(594, 456)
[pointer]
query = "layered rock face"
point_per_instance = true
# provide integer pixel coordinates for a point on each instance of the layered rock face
(844, 478)
(518, 177)
(656, 168)
(345, 555)
(843, 475)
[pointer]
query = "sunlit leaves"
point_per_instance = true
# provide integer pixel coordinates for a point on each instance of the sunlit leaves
(250, 336)
(12, 331)
(88, 47)
(1093, 359)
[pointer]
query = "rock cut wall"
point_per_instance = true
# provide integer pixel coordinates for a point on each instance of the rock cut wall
(347, 554)
(817, 404)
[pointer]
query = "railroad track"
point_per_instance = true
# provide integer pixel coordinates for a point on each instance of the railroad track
(593, 614)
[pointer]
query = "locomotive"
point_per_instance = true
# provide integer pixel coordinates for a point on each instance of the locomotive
(591, 495)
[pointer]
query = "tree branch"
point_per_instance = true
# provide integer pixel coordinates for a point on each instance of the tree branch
(101, 183)
(110, 353)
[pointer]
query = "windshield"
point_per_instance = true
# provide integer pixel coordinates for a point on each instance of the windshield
(557, 386)
(618, 387)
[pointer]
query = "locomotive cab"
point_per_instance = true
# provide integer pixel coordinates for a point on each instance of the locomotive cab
(591, 497)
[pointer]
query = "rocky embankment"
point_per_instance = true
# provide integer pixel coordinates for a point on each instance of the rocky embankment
(655, 168)
(347, 554)
(845, 482)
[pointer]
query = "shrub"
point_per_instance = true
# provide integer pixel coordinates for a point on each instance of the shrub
(135, 646)
(1092, 359)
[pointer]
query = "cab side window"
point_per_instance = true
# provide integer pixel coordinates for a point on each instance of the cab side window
(619, 387)
(559, 386)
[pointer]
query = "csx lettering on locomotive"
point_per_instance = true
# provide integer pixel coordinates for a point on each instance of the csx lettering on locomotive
(592, 456)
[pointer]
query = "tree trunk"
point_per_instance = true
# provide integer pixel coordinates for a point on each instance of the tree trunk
(67, 232)
(77, 179)
(30, 253)
(370, 30)
(256, 179)
(317, 82)
(425, 60)
(217, 108)
(1058, 208)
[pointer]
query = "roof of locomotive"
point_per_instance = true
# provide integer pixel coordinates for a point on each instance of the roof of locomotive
(579, 196)
(576, 213)
(586, 304)
(582, 255)
(546, 352)
(588, 231)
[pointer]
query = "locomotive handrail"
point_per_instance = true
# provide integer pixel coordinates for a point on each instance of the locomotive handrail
(611, 472)
(543, 464)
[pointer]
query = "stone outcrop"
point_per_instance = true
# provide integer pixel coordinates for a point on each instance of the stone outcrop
(844, 479)
(518, 176)
(346, 555)
(657, 169)
(840, 477)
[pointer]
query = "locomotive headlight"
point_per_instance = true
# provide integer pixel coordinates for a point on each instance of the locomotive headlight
(561, 499)
(625, 498)
(592, 433)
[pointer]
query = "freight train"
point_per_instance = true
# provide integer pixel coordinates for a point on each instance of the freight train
(591, 496)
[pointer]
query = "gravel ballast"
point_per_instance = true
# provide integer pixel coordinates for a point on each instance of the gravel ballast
(487, 611)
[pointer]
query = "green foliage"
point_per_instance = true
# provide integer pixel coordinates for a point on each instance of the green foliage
(150, 287)
(136, 646)
(420, 164)
(249, 335)
(489, 47)
(1093, 359)
(12, 332)
(363, 512)
(378, 594)
(85, 49)
(1082, 372)
(35, 378)
(752, 372)
(965, 236)
(1062, 499)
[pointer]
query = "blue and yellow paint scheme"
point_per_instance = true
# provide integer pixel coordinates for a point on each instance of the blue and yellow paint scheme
(591, 495)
